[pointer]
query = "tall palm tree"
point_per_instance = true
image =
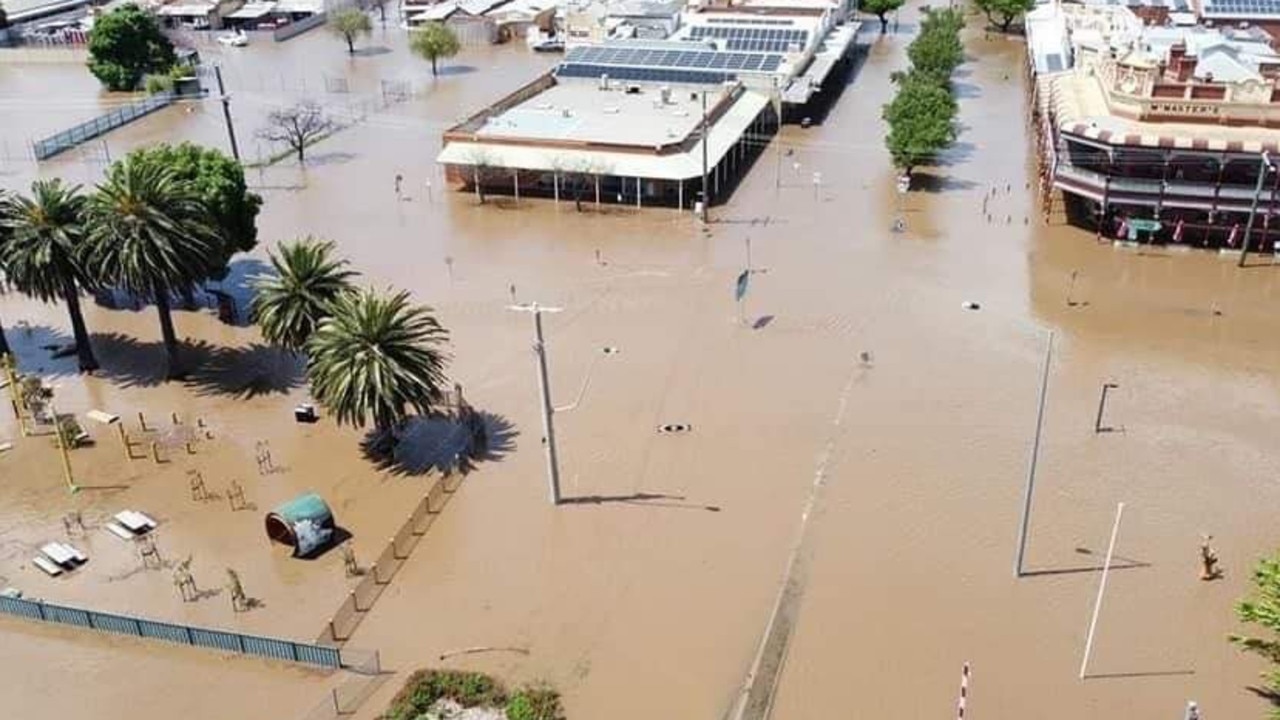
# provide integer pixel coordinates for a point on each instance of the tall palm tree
(151, 235)
(45, 252)
(376, 358)
(308, 281)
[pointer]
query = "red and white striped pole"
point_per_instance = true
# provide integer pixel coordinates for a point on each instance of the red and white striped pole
(964, 691)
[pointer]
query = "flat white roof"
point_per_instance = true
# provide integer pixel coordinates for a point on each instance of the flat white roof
(579, 110)
(250, 11)
(186, 9)
(684, 165)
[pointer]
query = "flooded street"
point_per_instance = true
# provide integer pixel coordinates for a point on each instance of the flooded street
(648, 594)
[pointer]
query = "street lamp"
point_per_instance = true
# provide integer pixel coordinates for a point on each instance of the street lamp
(544, 393)
(1264, 164)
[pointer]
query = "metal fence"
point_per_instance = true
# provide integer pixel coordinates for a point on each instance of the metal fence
(266, 647)
(67, 139)
(394, 554)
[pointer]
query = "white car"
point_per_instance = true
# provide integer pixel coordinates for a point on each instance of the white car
(234, 39)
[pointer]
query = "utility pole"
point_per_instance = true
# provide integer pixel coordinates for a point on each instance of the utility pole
(226, 112)
(706, 197)
(1264, 164)
(1035, 455)
(544, 391)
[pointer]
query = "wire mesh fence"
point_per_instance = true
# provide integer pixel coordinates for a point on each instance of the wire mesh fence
(100, 125)
(257, 645)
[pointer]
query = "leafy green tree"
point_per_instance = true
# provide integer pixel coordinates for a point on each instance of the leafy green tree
(45, 252)
(936, 52)
(921, 121)
(376, 358)
(219, 182)
(125, 45)
(308, 282)
(152, 234)
(349, 24)
(1006, 10)
(1262, 608)
(434, 41)
(881, 9)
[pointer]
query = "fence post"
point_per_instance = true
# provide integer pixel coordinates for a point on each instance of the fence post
(40, 609)
(187, 630)
(240, 642)
(293, 648)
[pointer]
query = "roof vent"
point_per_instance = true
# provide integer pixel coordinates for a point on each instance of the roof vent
(610, 111)
(566, 112)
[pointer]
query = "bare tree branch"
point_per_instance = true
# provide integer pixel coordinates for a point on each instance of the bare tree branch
(298, 126)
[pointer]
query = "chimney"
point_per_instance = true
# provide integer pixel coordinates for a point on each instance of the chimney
(1179, 63)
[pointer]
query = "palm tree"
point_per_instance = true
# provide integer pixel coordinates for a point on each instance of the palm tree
(45, 252)
(290, 306)
(376, 358)
(151, 235)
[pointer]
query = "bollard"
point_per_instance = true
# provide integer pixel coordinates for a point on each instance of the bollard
(142, 422)
(176, 419)
(191, 450)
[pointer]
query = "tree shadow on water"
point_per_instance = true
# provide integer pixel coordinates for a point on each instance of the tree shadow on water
(440, 442)
(129, 362)
(42, 349)
(245, 372)
(242, 372)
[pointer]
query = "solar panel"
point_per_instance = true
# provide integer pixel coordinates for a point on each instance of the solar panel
(1257, 8)
(614, 57)
(661, 75)
(752, 39)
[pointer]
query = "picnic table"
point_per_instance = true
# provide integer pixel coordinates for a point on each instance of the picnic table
(134, 521)
(63, 554)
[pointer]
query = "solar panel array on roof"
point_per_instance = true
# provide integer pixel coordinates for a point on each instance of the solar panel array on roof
(749, 21)
(752, 39)
(1255, 8)
(641, 74)
(675, 59)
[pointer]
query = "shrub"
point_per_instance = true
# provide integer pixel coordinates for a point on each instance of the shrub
(536, 702)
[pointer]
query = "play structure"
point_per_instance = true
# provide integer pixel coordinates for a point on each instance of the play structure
(305, 523)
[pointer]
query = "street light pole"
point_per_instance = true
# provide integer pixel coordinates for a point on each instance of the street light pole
(544, 393)
(1264, 164)
(706, 196)
(226, 112)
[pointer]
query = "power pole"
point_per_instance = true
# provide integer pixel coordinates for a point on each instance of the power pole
(226, 112)
(706, 196)
(544, 390)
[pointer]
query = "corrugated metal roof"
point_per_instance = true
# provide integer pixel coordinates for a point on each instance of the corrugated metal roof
(680, 166)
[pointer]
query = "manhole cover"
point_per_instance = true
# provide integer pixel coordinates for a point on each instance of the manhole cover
(674, 428)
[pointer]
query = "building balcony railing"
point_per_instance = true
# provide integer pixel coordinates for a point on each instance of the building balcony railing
(1152, 187)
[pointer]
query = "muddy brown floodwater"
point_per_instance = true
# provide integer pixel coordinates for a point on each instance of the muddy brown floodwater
(647, 595)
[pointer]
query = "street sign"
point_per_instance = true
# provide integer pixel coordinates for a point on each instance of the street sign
(740, 289)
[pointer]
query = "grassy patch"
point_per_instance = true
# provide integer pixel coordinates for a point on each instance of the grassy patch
(425, 688)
